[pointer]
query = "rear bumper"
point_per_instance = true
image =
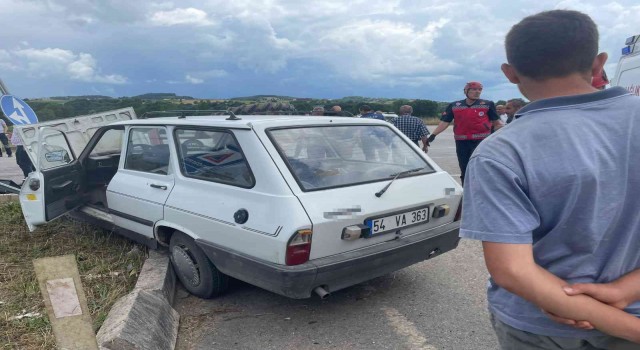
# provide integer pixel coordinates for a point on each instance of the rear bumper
(338, 271)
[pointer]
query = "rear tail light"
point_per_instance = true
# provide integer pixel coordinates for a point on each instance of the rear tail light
(458, 212)
(299, 248)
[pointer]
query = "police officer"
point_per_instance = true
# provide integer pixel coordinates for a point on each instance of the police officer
(473, 121)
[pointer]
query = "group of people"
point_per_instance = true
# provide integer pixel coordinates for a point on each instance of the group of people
(475, 119)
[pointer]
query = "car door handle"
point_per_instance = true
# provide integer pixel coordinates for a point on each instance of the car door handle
(62, 185)
(162, 187)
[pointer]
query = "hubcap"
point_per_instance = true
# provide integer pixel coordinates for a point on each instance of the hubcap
(185, 265)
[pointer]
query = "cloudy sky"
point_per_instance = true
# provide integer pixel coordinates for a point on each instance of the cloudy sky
(323, 49)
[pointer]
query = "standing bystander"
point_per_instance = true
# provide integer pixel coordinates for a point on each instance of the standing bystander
(22, 158)
(512, 107)
(543, 202)
(500, 109)
(4, 139)
(371, 139)
(412, 126)
(317, 111)
(474, 119)
(367, 112)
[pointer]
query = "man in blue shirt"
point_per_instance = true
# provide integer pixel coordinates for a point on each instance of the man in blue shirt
(371, 140)
(367, 112)
(556, 206)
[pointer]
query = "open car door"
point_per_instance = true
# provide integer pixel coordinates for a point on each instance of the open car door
(55, 187)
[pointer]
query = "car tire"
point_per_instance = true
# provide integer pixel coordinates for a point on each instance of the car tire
(194, 269)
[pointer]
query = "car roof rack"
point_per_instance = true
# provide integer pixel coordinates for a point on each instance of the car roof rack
(181, 114)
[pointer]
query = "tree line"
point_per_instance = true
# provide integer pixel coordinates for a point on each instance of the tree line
(47, 110)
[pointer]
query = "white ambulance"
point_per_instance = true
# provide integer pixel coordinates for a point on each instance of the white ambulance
(628, 69)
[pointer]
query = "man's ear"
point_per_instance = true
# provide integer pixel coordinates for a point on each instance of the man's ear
(510, 73)
(598, 64)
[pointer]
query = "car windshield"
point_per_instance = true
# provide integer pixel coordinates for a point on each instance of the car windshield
(335, 156)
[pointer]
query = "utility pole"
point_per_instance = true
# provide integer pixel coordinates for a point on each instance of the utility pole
(3, 88)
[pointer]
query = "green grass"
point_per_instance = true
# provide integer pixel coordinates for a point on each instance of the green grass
(108, 264)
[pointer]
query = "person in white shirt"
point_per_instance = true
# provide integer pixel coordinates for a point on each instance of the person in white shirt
(500, 109)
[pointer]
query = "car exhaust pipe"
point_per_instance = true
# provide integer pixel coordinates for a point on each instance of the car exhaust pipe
(322, 293)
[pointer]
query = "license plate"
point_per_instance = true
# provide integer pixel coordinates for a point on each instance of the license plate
(398, 221)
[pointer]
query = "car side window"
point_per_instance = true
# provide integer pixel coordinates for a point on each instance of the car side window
(148, 150)
(110, 143)
(212, 155)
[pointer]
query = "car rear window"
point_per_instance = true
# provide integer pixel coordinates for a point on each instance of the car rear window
(213, 155)
(321, 157)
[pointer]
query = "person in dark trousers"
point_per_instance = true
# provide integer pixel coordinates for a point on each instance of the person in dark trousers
(555, 206)
(22, 158)
(474, 120)
(4, 139)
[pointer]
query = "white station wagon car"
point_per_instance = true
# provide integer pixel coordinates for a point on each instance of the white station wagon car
(292, 204)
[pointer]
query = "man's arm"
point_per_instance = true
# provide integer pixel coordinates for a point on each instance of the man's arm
(425, 144)
(512, 267)
(441, 127)
(619, 294)
(445, 120)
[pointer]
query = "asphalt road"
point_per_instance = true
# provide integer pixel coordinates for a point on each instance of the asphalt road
(437, 304)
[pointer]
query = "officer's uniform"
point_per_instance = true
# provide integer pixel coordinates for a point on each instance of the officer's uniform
(472, 124)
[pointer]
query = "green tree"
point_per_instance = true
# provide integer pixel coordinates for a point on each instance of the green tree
(424, 108)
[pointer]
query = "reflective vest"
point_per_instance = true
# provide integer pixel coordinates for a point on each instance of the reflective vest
(471, 122)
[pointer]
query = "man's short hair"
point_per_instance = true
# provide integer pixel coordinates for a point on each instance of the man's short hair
(365, 108)
(517, 103)
(336, 108)
(406, 109)
(552, 44)
(317, 111)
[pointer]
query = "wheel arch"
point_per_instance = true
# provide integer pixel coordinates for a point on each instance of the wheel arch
(164, 230)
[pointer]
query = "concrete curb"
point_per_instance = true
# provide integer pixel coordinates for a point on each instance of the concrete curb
(144, 318)
(6, 198)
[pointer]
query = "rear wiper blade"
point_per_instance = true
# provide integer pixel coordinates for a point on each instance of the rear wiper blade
(395, 176)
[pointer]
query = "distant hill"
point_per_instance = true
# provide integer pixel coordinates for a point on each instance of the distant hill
(161, 96)
(264, 97)
(86, 97)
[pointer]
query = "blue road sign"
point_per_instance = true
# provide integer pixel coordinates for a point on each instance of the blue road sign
(17, 110)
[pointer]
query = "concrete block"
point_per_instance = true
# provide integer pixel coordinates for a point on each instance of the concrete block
(138, 321)
(157, 275)
(65, 301)
(144, 318)
(5, 198)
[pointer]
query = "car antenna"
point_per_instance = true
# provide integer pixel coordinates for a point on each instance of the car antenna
(232, 116)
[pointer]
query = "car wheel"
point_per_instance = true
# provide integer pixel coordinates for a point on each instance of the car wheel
(196, 272)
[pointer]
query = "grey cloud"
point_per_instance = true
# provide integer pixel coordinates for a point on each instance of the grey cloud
(59, 62)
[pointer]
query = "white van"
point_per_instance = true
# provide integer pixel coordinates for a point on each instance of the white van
(628, 70)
